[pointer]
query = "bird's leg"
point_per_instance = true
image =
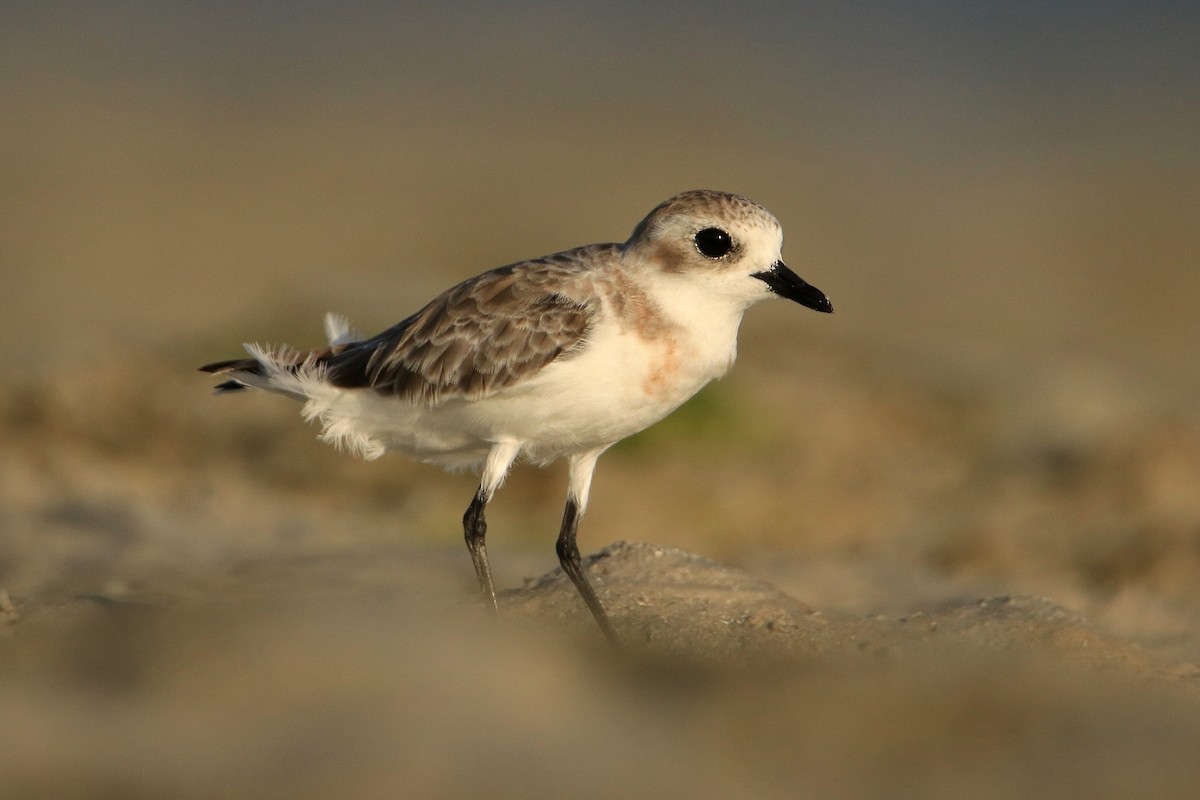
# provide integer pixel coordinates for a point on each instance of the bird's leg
(581, 468)
(495, 467)
(475, 529)
(568, 556)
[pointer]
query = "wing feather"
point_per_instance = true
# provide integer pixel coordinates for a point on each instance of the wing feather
(486, 334)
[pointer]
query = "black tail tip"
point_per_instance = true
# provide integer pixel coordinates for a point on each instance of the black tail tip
(218, 366)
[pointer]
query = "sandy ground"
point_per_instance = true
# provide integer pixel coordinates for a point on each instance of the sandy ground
(912, 594)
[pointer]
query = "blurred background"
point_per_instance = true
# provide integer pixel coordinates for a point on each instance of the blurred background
(1002, 201)
(1008, 176)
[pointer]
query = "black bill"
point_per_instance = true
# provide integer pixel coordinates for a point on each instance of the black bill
(785, 283)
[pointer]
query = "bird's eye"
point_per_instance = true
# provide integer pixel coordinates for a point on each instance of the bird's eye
(713, 242)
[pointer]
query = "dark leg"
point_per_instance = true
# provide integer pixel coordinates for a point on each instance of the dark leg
(568, 556)
(475, 529)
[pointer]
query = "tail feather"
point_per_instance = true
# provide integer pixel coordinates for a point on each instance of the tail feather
(233, 365)
(230, 386)
(243, 371)
(244, 365)
(339, 333)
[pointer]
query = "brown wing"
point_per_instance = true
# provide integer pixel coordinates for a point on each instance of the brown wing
(488, 333)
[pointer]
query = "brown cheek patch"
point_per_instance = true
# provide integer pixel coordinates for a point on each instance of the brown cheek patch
(669, 257)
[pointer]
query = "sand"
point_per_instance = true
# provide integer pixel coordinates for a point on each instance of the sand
(922, 599)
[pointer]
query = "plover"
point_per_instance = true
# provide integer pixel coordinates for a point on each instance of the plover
(556, 357)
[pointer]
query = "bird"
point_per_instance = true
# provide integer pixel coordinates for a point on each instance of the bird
(557, 357)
